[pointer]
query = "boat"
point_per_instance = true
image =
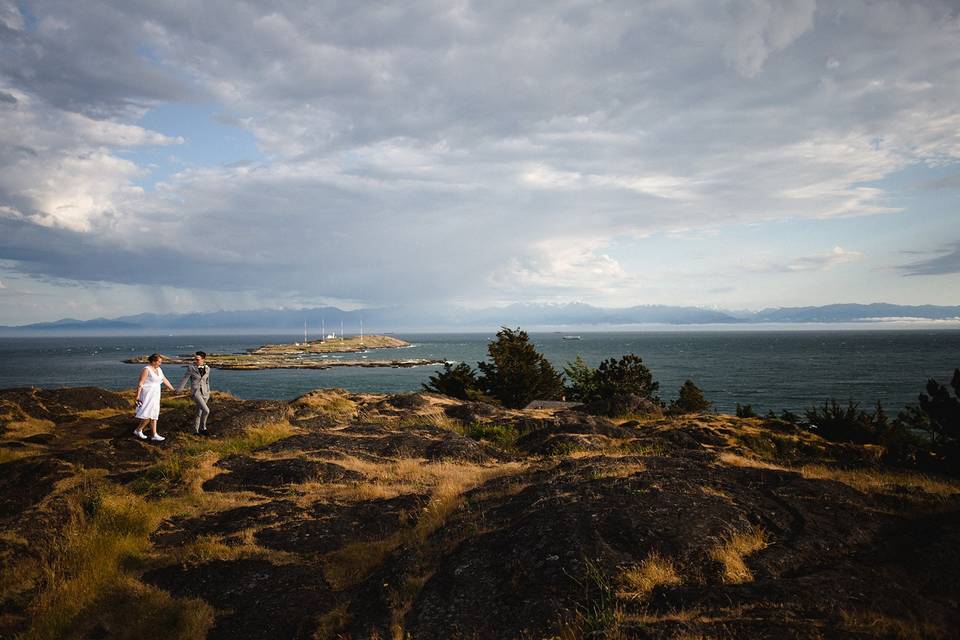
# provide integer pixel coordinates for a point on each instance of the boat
(572, 338)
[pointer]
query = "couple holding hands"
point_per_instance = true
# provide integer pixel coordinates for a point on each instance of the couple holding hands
(148, 394)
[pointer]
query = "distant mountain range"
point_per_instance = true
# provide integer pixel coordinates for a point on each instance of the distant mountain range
(531, 316)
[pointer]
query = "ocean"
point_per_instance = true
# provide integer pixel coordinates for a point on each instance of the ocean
(768, 369)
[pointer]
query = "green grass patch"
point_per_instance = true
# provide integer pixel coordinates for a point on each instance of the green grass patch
(250, 440)
(502, 435)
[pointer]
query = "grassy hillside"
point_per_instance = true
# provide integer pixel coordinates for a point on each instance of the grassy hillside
(343, 515)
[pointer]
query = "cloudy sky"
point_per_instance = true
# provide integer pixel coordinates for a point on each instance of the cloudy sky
(184, 155)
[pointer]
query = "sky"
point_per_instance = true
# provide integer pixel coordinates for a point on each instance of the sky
(180, 156)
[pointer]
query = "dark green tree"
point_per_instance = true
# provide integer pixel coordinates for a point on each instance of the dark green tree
(938, 414)
(456, 381)
(626, 376)
(690, 400)
(516, 373)
(745, 411)
(583, 381)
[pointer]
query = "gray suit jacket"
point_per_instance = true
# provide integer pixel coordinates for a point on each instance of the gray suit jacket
(197, 382)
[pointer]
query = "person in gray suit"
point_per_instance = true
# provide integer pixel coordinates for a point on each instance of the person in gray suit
(198, 376)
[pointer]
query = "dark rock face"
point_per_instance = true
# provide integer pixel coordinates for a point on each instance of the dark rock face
(273, 476)
(382, 441)
(181, 530)
(572, 431)
(62, 404)
(229, 416)
(25, 482)
(262, 600)
(473, 411)
(326, 527)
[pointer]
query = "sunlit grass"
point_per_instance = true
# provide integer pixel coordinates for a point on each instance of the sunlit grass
(655, 570)
(445, 482)
(867, 480)
(84, 582)
(25, 426)
(732, 551)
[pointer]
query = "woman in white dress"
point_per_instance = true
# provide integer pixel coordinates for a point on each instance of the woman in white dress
(148, 397)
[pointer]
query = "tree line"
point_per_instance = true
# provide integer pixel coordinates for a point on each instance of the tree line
(925, 435)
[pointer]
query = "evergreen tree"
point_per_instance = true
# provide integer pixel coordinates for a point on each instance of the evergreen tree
(516, 373)
(583, 381)
(458, 382)
(939, 415)
(690, 400)
(626, 376)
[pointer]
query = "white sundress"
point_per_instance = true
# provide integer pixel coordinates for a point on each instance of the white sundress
(148, 403)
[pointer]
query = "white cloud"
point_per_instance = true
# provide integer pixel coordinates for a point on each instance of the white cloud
(59, 169)
(763, 28)
(444, 149)
(822, 261)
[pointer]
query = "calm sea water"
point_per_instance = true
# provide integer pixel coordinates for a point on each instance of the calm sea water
(770, 370)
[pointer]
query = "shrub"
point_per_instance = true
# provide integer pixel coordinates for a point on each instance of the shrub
(516, 373)
(846, 424)
(745, 411)
(617, 387)
(456, 381)
(690, 400)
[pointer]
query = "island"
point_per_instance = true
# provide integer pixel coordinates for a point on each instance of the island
(297, 355)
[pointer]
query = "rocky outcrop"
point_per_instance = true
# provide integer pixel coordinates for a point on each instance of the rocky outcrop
(342, 515)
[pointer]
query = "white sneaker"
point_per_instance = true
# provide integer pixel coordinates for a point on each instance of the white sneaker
(139, 434)
(157, 438)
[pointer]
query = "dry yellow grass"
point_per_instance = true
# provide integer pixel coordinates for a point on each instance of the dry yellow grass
(6, 455)
(25, 426)
(333, 402)
(444, 481)
(715, 493)
(735, 460)
(867, 480)
(84, 581)
(639, 581)
(877, 624)
(734, 548)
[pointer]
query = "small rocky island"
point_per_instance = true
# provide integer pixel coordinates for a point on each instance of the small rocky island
(302, 355)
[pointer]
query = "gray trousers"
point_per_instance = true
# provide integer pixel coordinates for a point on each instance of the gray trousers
(203, 411)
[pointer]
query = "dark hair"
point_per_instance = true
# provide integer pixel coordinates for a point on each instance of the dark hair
(202, 354)
(154, 357)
